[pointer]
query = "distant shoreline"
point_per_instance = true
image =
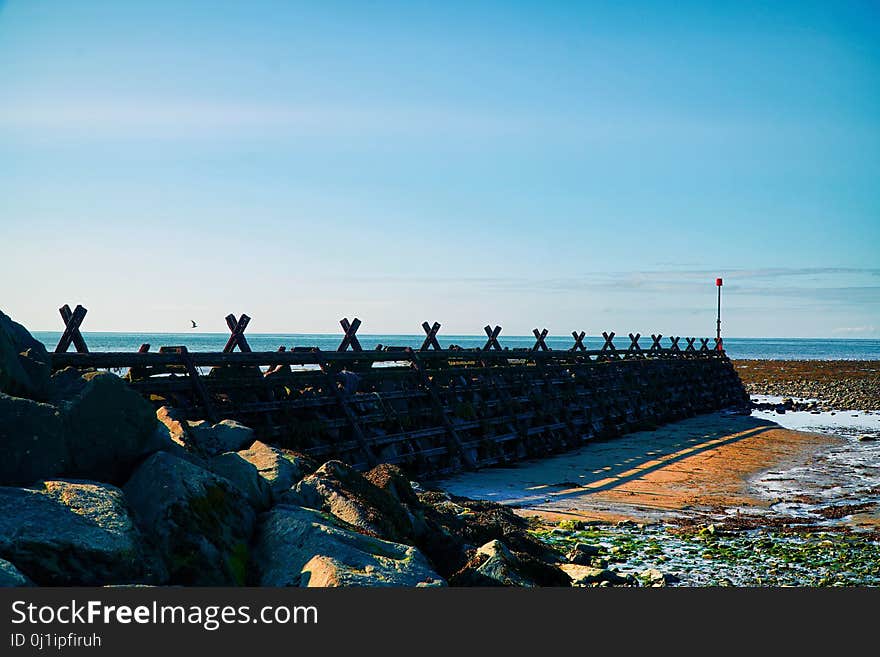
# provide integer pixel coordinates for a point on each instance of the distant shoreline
(834, 384)
(474, 336)
(838, 349)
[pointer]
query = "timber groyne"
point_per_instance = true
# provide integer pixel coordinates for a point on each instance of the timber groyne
(431, 410)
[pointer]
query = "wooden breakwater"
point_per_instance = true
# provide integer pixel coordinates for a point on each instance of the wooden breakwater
(430, 410)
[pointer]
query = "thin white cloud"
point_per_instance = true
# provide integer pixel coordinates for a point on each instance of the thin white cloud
(857, 330)
(116, 117)
(182, 118)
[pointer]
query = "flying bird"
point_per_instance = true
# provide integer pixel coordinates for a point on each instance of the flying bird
(193, 323)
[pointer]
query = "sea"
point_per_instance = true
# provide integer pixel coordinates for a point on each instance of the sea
(737, 348)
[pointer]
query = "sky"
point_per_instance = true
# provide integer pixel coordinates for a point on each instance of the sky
(569, 165)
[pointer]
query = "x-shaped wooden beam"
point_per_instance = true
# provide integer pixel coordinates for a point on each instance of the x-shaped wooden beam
(539, 340)
(492, 342)
(690, 346)
(72, 321)
(719, 344)
(704, 345)
(350, 339)
(634, 347)
(236, 328)
(656, 342)
(674, 343)
(578, 341)
(608, 347)
(431, 339)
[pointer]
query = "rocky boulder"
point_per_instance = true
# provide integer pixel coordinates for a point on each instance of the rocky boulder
(394, 481)
(10, 576)
(654, 578)
(73, 533)
(458, 526)
(110, 428)
(583, 554)
(338, 489)
(32, 443)
(245, 477)
(588, 576)
(280, 468)
(24, 362)
(494, 564)
(295, 546)
(199, 522)
(225, 436)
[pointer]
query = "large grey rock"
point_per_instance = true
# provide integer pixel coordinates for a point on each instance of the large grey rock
(496, 564)
(396, 483)
(10, 576)
(225, 436)
(654, 578)
(583, 554)
(344, 492)
(24, 363)
(110, 427)
(589, 576)
(73, 533)
(281, 469)
(295, 546)
(32, 444)
(245, 477)
(501, 565)
(199, 522)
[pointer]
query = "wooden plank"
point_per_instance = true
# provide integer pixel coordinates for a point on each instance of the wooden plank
(236, 329)
(492, 342)
(357, 430)
(539, 340)
(451, 432)
(634, 348)
(431, 339)
(655, 343)
(578, 341)
(110, 359)
(350, 339)
(195, 381)
(72, 321)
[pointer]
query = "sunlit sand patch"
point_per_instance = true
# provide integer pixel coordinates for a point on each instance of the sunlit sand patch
(695, 466)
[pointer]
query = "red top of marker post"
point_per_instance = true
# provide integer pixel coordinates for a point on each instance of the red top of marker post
(718, 282)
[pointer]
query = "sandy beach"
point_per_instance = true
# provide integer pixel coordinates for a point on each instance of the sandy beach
(788, 495)
(701, 467)
(799, 463)
(716, 500)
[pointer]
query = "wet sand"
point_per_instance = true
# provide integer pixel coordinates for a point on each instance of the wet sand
(703, 466)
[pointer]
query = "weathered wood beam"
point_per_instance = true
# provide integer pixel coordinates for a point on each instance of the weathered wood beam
(72, 321)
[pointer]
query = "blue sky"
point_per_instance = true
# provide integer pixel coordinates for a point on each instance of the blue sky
(570, 165)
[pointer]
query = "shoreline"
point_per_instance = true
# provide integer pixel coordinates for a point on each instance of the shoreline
(787, 496)
(697, 470)
(753, 504)
(833, 384)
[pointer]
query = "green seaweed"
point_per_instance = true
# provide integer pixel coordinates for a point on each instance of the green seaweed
(709, 557)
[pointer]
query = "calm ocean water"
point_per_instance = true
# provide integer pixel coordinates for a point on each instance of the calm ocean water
(758, 348)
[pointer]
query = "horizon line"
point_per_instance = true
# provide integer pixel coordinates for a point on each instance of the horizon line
(456, 335)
